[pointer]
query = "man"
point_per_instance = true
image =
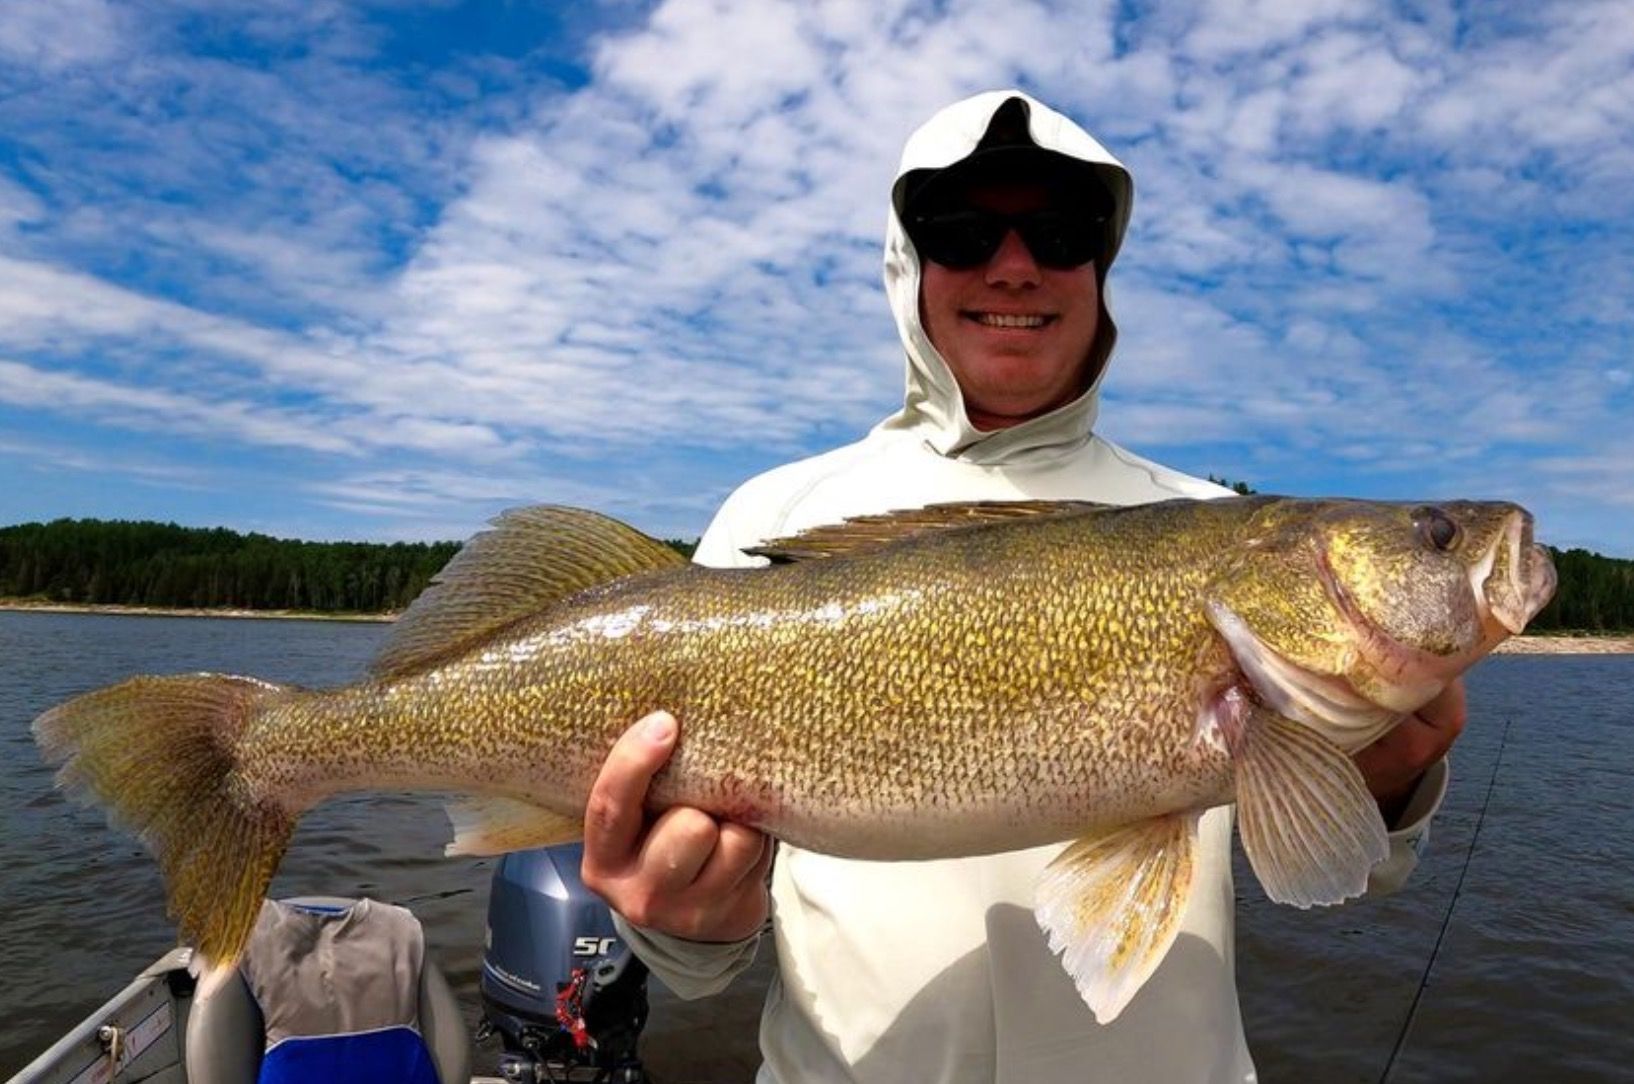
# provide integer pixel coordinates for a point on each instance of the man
(1005, 219)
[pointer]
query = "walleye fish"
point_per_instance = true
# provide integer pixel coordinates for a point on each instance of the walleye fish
(957, 680)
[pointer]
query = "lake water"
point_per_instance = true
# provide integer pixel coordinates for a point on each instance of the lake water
(1532, 981)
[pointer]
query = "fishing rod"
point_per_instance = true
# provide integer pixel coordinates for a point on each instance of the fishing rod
(1446, 921)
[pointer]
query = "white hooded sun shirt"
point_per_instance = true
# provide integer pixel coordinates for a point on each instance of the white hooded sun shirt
(937, 971)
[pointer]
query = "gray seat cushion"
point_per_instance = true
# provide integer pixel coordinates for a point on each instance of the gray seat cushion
(226, 1033)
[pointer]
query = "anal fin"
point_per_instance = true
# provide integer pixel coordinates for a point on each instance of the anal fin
(1308, 825)
(492, 825)
(1112, 904)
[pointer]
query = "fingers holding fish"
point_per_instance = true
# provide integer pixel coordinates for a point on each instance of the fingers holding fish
(1446, 714)
(686, 873)
(1395, 763)
(615, 817)
(699, 878)
(741, 857)
(677, 848)
(691, 876)
(748, 909)
(689, 850)
(730, 890)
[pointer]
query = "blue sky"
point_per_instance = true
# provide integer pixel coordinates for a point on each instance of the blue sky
(379, 270)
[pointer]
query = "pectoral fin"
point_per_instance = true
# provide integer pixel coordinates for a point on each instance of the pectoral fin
(1111, 906)
(490, 825)
(1310, 829)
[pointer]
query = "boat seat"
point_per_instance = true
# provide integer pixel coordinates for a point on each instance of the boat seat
(227, 1034)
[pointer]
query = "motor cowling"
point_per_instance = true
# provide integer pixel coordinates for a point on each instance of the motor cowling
(560, 988)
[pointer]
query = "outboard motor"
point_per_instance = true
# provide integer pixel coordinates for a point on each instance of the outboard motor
(566, 996)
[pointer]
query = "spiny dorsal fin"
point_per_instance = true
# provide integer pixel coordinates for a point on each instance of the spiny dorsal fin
(868, 532)
(532, 558)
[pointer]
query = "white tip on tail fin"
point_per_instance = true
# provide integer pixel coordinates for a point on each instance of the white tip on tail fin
(1308, 825)
(492, 825)
(1111, 906)
(209, 976)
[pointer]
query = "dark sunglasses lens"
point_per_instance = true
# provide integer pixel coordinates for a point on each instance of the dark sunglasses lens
(1061, 240)
(962, 239)
(958, 239)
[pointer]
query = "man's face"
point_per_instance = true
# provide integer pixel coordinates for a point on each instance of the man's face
(1016, 335)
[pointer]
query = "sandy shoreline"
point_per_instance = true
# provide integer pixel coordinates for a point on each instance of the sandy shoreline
(26, 606)
(1546, 644)
(1543, 644)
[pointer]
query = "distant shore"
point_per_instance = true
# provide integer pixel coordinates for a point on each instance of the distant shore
(1566, 644)
(34, 606)
(1541, 644)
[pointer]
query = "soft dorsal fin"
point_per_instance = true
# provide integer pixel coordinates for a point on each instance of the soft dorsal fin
(869, 532)
(532, 557)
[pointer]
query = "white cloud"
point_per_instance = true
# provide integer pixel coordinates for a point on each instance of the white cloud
(61, 34)
(17, 206)
(149, 409)
(1562, 87)
(1225, 28)
(57, 456)
(1348, 223)
(1605, 477)
(1368, 228)
(1353, 79)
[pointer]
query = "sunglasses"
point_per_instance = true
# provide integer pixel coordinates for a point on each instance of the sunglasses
(963, 239)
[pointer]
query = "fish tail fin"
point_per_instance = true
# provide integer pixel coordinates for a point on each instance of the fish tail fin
(162, 755)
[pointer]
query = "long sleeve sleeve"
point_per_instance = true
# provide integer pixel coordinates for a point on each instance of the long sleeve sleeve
(1411, 833)
(691, 969)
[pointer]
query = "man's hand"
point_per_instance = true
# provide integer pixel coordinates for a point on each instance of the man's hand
(685, 873)
(1394, 764)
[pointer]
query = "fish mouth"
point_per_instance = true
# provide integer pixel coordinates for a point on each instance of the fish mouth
(1515, 578)
(1324, 702)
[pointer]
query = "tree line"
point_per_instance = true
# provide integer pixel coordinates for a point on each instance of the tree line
(160, 564)
(140, 563)
(1596, 594)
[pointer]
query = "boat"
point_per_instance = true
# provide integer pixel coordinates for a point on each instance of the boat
(141, 1034)
(566, 999)
(138, 1034)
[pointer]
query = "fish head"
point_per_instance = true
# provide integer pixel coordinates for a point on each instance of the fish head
(1349, 614)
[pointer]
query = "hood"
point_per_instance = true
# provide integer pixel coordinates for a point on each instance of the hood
(933, 407)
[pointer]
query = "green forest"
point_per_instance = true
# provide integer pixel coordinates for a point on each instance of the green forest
(161, 564)
(1596, 594)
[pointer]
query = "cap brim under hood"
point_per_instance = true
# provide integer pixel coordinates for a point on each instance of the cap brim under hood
(933, 403)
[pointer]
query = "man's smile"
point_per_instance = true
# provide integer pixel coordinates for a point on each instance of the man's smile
(1025, 321)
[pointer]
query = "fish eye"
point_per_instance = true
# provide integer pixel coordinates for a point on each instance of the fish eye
(1436, 528)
